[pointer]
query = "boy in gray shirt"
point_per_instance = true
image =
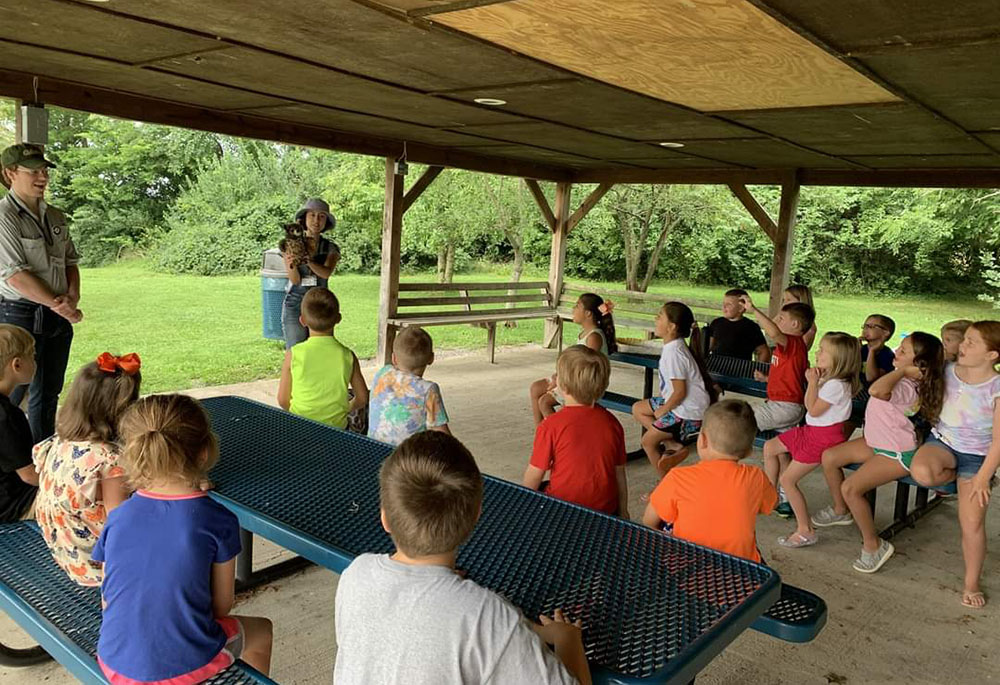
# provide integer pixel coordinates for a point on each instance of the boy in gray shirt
(410, 617)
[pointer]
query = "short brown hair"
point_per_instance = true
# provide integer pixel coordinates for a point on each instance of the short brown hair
(958, 327)
(320, 309)
(413, 347)
(802, 313)
(730, 427)
(15, 343)
(95, 404)
(583, 373)
(431, 492)
(167, 437)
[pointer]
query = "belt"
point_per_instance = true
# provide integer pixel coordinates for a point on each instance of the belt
(39, 322)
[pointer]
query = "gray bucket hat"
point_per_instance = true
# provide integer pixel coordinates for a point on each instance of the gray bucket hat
(317, 205)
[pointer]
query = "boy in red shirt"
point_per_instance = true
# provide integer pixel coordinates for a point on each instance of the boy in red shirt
(715, 502)
(785, 404)
(582, 446)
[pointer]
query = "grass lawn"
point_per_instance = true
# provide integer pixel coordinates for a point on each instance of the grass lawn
(195, 331)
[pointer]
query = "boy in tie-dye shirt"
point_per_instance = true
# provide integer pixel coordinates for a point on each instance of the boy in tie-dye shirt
(402, 402)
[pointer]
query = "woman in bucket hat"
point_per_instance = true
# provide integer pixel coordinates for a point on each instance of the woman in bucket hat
(324, 254)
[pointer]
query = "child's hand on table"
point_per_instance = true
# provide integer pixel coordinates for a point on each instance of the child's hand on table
(558, 630)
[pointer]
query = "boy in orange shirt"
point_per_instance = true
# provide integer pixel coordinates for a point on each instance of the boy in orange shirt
(716, 502)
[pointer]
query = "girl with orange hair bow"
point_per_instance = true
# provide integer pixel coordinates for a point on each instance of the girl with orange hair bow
(80, 480)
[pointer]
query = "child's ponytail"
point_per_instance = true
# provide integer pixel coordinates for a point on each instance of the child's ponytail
(601, 310)
(928, 356)
(681, 316)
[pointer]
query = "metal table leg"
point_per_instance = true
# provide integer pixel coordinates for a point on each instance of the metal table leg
(247, 578)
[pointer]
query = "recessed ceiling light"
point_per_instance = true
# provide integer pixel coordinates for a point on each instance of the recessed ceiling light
(491, 102)
(670, 144)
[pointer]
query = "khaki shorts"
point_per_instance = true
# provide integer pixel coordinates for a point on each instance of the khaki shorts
(778, 416)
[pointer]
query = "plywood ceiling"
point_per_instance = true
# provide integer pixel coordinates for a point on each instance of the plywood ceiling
(710, 55)
(591, 86)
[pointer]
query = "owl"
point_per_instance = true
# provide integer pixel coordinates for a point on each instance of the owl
(294, 244)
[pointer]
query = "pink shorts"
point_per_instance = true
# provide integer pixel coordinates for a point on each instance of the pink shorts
(806, 443)
(235, 639)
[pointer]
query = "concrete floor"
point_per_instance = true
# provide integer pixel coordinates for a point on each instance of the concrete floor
(904, 624)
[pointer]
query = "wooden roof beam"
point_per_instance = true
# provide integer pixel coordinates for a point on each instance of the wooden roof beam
(542, 202)
(759, 214)
(420, 186)
(587, 205)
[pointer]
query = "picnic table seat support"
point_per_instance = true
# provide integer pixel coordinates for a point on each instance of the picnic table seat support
(63, 617)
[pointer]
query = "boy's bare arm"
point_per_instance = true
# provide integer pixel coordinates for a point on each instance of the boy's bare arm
(359, 386)
(763, 353)
(651, 519)
(285, 384)
(567, 642)
(622, 481)
(533, 477)
(770, 328)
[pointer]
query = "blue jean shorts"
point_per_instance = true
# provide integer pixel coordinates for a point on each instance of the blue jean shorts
(966, 465)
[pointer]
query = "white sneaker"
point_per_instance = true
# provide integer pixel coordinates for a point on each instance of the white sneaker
(869, 563)
(828, 517)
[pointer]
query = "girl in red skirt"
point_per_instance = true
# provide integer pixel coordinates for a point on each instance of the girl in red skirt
(830, 385)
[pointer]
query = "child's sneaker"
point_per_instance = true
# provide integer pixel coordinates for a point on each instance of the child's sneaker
(828, 517)
(784, 510)
(870, 562)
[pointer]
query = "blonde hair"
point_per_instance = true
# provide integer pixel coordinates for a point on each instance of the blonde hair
(583, 373)
(15, 343)
(320, 309)
(958, 327)
(431, 492)
(845, 351)
(730, 426)
(95, 404)
(413, 348)
(800, 292)
(167, 437)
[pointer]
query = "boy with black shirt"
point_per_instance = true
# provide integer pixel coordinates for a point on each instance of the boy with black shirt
(733, 335)
(18, 480)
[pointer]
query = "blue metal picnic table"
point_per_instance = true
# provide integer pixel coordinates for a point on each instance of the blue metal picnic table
(654, 608)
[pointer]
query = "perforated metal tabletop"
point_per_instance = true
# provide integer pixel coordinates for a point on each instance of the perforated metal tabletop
(654, 609)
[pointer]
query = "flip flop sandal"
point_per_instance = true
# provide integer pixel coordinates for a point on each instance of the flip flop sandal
(967, 597)
(796, 540)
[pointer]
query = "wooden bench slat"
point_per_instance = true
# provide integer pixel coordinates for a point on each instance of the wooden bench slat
(462, 317)
(692, 302)
(472, 299)
(451, 287)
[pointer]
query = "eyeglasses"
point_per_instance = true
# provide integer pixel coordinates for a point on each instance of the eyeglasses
(41, 171)
(875, 325)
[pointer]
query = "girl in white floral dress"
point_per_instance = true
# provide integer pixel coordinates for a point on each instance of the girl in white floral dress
(80, 480)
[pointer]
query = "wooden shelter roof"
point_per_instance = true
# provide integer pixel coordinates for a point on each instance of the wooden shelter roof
(898, 92)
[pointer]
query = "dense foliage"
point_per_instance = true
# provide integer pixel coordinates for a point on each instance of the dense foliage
(201, 203)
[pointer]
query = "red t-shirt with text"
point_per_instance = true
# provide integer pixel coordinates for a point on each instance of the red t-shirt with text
(787, 379)
(581, 446)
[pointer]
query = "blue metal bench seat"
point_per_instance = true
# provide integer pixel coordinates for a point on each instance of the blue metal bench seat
(63, 617)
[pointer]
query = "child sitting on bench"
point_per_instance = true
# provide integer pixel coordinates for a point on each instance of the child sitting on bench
(320, 372)
(18, 479)
(597, 331)
(169, 556)
(831, 384)
(965, 444)
(716, 501)
(402, 402)
(686, 390)
(583, 445)
(889, 443)
(79, 475)
(952, 334)
(411, 617)
(734, 335)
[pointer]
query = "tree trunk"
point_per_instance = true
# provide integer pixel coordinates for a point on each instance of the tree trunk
(442, 263)
(654, 258)
(449, 264)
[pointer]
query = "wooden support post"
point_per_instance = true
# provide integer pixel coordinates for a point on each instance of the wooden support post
(420, 186)
(557, 261)
(784, 239)
(18, 123)
(588, 204)
(392, 225)
(542, 202)
(759, 214)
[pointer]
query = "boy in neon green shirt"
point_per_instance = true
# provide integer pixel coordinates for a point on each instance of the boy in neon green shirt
(318, 371)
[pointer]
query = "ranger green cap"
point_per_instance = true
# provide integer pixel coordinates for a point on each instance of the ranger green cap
(26, 155)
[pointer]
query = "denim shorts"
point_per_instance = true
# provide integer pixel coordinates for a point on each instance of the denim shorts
(966, 465)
